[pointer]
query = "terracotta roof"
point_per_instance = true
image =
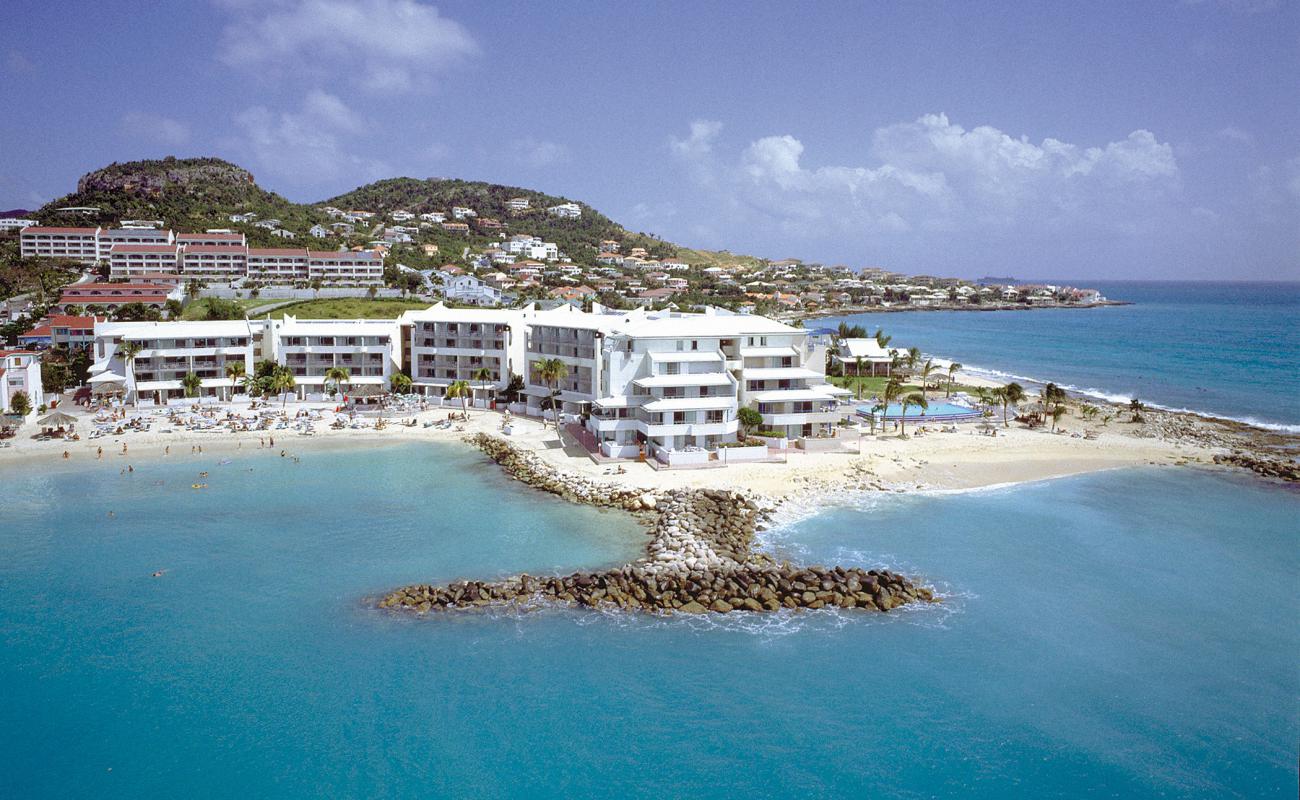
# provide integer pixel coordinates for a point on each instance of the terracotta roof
(340, 254)
(276, 251)
(4, 353)
(215, 248)
(143, 248)
(223, 237)
(44, 229)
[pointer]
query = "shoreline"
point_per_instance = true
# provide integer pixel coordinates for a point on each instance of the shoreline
(850, 311)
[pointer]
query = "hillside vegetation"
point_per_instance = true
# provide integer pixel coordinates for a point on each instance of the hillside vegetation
(193, 194)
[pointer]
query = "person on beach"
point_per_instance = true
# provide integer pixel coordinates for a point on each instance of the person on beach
(65, 454)
(99, 453)
(167, 450)
(272, 438)
(123, 448)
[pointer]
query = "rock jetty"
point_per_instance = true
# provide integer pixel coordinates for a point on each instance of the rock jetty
(1279, 468)
(700, 557)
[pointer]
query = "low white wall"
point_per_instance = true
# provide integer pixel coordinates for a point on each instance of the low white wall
(732, 455)
(612, 450)
(772, 441)
(683, 458)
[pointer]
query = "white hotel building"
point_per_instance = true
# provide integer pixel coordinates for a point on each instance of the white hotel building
(666, 384)
(220, 255)
(444, 345)
(369, 350)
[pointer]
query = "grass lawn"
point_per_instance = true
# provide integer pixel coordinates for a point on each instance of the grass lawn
(197, 309)
(348, 308)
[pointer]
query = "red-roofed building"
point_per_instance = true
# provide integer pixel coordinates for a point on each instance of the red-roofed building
(113, 295)
(214, 262)
(61, 330)
(76, 244)
(346, 267)
(277, 264)
(126, 261)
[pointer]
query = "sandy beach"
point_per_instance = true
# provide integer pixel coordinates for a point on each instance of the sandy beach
(964, 459)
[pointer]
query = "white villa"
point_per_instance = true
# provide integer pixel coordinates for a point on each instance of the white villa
(444, 345)
(866, 355)
(20, 371)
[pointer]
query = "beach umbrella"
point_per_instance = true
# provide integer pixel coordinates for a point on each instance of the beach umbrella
(57, 420)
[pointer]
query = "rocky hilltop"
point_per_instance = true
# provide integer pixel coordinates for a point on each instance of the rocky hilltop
(700, 558)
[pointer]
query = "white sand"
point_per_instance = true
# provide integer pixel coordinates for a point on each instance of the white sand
(959, 460)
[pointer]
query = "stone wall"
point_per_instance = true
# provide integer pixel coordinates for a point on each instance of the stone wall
(700, 557)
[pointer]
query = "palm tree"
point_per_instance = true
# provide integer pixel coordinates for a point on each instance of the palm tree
(462, 390)
(882, 339)
(857, 378)
(551, 371)
(953, 369)
(401, 383)
(985, 397)
(913, 399)
(337, 376)
(283, 382)
(1136, 406)
(927, 370)
(1050, 395)
(1009, 395)
(191, 383)
(913, 356)
(878, 408)
(235, 372)
(129, 350)
(483, 375)
(1058, 411)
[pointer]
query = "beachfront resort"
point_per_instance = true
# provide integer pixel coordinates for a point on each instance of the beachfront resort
(678, 389)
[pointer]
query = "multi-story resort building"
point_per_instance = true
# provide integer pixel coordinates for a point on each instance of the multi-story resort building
(277, 264)
(73, 244)
(445, 345)
(127, 261)
(663, 384)
(20, 371)
(170, 350)
(369, 350)
(215, 256)
(61, 330)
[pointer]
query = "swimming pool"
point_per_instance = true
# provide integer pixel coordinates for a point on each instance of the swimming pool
(939, 411)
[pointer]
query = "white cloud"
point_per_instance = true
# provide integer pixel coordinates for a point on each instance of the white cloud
(154, 128)
(380, 45)
(536, 153)
(306, 145)
(704, 133)
(932, 174)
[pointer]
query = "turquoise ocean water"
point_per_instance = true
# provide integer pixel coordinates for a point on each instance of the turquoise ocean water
(1124, 634)
(1082, 649)
(1229, 349)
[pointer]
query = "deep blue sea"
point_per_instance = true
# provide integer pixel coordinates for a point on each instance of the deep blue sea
(1228, 349)
(1083, 649)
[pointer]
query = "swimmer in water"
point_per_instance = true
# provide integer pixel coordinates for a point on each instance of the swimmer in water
(130, 468)
(112, 515)
(158, 573)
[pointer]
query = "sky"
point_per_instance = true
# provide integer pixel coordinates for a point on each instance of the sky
(1157, 139)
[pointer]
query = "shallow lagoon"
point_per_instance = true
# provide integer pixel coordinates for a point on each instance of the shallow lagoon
(1081, 649)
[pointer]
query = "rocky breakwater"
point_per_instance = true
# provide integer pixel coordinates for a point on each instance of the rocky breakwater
(700, 558)
(1280, 468)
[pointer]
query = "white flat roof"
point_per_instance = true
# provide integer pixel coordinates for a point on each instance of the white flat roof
(685, 379)
(440, 313)
(779, 373)
(337, 327)
(782, 395)
(690, 403)
(181, 329)
(753, 352)
(686, 326)
(686, 355)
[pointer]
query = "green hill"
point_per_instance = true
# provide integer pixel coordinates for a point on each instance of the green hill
(192, 194)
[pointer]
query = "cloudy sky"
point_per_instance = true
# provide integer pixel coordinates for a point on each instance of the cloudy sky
(1153, 139)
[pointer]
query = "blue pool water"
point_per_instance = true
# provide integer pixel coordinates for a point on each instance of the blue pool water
(935, 409)
(1081, 650)
(1229, 349)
